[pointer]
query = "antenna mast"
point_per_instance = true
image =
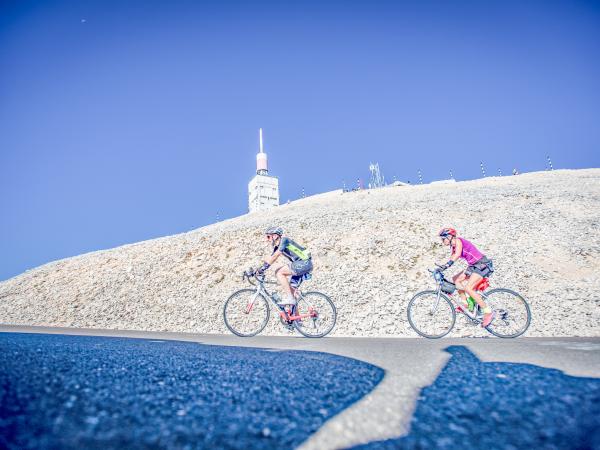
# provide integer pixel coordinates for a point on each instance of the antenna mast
(260, 139)
(262, 167)
(377, 180)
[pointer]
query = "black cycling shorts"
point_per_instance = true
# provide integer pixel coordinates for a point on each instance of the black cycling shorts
(483, 267)
(301, 267)
(301, 271)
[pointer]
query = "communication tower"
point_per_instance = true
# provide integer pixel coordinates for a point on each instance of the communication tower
(263, 189)
(377, 179)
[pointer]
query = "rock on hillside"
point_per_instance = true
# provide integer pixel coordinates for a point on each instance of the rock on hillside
(371, 251)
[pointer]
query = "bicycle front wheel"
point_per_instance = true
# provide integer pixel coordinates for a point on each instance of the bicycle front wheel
(318, 315)
(513, 315)
(246, 313)
(431, 316)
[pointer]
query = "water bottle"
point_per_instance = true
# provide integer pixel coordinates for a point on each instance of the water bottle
(471, 303)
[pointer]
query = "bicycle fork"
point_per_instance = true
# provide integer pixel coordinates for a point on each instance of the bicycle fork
(250, 304)
(436, 304)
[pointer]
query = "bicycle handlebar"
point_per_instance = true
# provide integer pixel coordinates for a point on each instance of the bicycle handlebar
(439, 271)
(251, 273)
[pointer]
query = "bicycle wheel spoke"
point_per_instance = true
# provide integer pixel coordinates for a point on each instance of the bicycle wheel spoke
(245, 313)
(318, 315)
(431, 316)
(513, 315)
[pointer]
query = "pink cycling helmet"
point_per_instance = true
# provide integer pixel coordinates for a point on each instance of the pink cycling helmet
(447, 232)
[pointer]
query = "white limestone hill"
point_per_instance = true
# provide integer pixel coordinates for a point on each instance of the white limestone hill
(371, 249)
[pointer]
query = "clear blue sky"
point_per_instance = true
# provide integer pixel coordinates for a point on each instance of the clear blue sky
(119, 118)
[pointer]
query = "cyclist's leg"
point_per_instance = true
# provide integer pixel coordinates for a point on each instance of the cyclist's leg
(488, 314)
(470, 284)
(283, 273)
(459, 279)
(298, 270)
(295, 282)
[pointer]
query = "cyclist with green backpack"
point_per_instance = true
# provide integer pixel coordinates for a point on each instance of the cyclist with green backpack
(297, 269)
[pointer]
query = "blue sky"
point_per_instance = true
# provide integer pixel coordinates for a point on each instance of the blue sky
(118, 119)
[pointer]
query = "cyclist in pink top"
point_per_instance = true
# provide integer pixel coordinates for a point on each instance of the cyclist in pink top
(479, 267)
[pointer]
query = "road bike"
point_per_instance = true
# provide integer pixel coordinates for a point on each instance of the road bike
(247, 311)
(432, 314)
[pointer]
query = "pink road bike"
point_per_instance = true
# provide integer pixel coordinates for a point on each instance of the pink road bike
(247, 311)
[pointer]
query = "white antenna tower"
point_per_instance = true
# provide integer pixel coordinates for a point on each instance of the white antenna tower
(377, 180)
(261, 157)
(482, 169)
(549, 163)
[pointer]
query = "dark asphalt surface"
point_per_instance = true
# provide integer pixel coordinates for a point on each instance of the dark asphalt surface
(479, 405)
(68, 392)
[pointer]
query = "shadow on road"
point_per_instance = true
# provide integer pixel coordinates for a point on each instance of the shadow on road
(474, 405)
(72, 392)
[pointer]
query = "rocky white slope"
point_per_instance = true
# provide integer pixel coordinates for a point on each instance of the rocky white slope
(371, 251)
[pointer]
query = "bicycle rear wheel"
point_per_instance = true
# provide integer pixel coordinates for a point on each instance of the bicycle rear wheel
(430, 316)
(320, 313)
(246, 313)
(513, 315)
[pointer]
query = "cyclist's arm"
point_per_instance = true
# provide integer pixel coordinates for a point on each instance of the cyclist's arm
(271, 259)
(455, 255)
(457, 251)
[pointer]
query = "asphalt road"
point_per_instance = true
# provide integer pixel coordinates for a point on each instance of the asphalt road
(73, 392)
(474, 405)
(534, 392)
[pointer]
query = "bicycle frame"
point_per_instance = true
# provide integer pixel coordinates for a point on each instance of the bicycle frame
(288, 316)
(474, 316)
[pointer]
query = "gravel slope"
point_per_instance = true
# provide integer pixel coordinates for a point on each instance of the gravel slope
(371, 251)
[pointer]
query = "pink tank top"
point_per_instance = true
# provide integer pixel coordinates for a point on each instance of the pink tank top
(470, 252)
